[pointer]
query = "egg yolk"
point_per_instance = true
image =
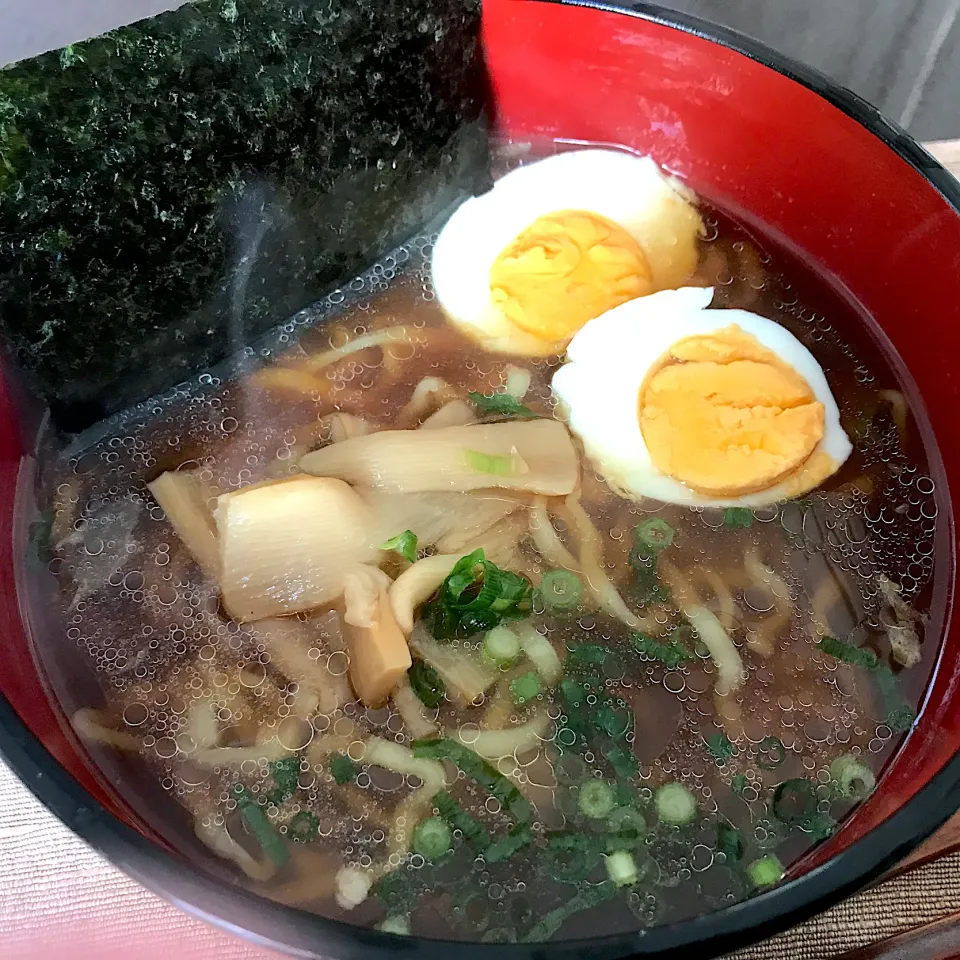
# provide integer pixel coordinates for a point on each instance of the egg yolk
(726, 416)
(565, 269)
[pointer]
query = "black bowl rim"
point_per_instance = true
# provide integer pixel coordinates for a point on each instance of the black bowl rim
(301, 934)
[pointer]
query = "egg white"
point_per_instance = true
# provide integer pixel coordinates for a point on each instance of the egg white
(631, 191)
(608, 361)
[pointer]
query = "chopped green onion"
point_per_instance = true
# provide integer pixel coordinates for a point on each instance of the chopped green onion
(901, 719)
(501, 647)
(270, 841)
(794, 801)
(561, 590)
(737, 517)
(584, 899)
(670, 655)
(497, 465)
(501, 403)
(477, 769)
(900, 715)
(622, 869)
(720, 747)
(738, 784)
(303, 827)
(819, 826)
(624, 762)
(675, 804)
(426, 684)
(286, 776)
(590, 654)
(478, 596)
(525, 688)
(596, 799)
(431, 838)
(399, 926)
(459, 819)
(472, 584)
(616, 722)
(653, 534)
(627, 828)
(854, 778)
(770, 753)
(729, 841)
(503, 849)
(571, 857)
(404, 543)
(343, 768)
(766, 871)
(848, 653)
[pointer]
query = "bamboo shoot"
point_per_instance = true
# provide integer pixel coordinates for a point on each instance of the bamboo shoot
(287, 546)
(183, 497)
(536, 455)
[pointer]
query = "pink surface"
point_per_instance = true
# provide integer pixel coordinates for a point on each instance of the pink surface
(58, 898)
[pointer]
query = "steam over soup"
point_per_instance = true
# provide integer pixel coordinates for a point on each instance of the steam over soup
(578, 560)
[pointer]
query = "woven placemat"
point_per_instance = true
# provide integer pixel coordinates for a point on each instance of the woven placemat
(918, 897)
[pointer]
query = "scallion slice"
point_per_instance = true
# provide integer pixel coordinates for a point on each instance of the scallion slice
(431, 838)
(403, 543)
(501, 647)
(427, 684)
(304, 827)
(477, 769)
(478, 596)
(343, 768)
(854, 779)
(737, 517)
(627, 828)
(654, 534)
(561, 590)
(525, 688)
(720, 747)
(670, 655)
(596, 799)
(675, 804)
(729, 841)
(519, 836)
(848, 653)
(794, 801)
(622, 868)
(571, 857)
(257, 823)
(459, 819)
(497, 465)
(503, 404)
(766, 871)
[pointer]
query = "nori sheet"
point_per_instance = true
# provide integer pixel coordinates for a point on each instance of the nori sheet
(175, 188)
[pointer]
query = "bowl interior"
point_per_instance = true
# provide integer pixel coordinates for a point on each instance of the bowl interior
(824, 173)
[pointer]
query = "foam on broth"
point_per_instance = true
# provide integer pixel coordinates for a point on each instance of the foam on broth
(128, 627)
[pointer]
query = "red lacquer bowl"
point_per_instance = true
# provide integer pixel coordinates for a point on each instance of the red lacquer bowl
(773, 142)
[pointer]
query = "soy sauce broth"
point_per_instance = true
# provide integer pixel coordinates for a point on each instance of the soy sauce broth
(131, 633)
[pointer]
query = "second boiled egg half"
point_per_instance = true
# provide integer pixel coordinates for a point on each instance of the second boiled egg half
(684, 404)
(559, 242)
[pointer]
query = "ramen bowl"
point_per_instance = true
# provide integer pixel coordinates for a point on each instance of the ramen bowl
(838, 186)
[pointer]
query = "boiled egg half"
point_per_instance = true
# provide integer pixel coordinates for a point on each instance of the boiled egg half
(684, 404)
(559, 242)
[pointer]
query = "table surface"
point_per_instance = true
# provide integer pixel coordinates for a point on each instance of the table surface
(54, 890)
